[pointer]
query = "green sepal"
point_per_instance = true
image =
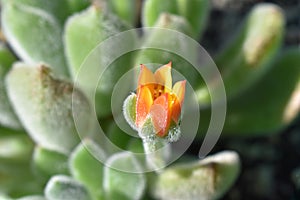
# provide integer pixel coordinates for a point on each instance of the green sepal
(147, 130)
(129, 110)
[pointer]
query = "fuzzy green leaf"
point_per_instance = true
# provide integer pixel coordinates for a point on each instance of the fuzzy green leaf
(92, 27)
(44, 106)
(7, 116)
(209, 178)
(65, 188)
(120, 184)
(57, 8)
(34, 35)
(86, 168)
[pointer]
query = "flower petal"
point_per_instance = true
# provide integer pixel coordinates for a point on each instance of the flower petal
(163, 76)
(178, 91)
(146, 77)
(161, 114)
(143, 104)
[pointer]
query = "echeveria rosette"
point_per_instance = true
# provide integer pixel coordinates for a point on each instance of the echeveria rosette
(155, 110)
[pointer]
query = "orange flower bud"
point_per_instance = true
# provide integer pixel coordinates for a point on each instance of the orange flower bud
(157, 98)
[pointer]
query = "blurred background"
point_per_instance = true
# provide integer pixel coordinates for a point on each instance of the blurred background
(268, 145)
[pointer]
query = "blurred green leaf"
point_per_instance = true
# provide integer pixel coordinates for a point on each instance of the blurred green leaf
(121, 184)
(44, 106)
(196, 12)
(78, 5)
(83, 32)
(34, 35)
(7, 115)
(32, 198)
(48, 163)
(86, 168)
(126, 10)
(59, 9)
(65, 188)
(152, 9)
(117, 136)
(271, 103)
(209, 178)
(16, 146)
(17, 179)
(249, 55)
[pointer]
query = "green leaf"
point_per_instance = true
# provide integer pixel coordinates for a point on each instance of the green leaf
(93, 26)
(33, 198)
(34, 35)
(121, 184)
(7, 116)
(117, 136)
(65, 188)
(15, 146)
(86, 168)
(44, 106)
(248, 57)
(152, 9)
(78, 5)
(59, 9)
(126, 10)
(209, 178)
(271, 103)
(17, 179)
(48, 163)
(196, 12)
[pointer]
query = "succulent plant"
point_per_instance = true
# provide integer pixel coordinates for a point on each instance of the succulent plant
(50, 147)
